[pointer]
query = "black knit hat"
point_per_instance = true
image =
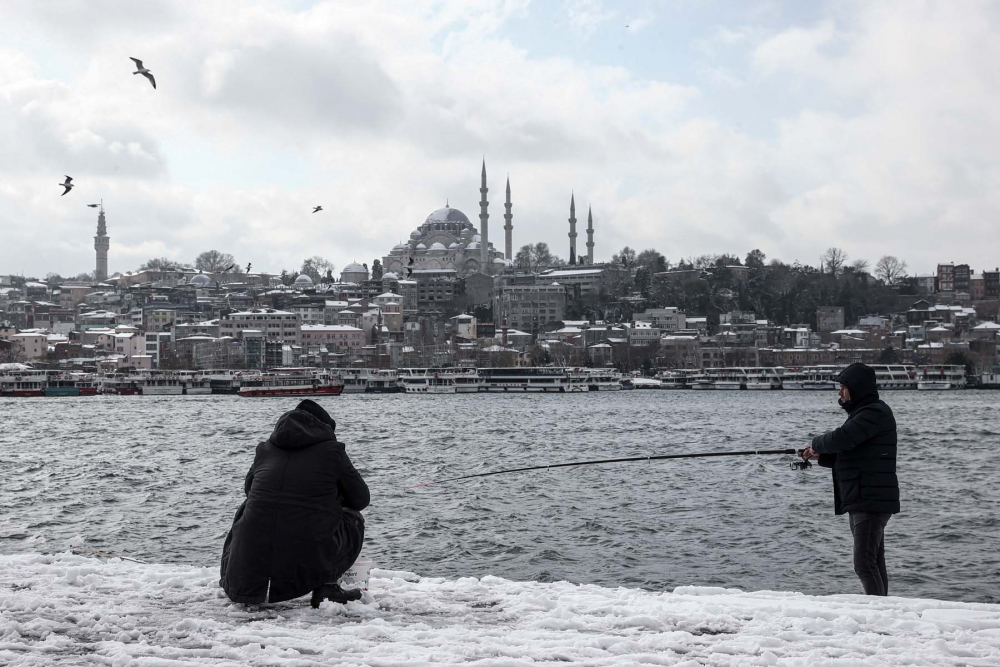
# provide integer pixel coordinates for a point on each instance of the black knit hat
(317, 411)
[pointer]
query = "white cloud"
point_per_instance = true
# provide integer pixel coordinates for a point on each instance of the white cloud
(887, 142)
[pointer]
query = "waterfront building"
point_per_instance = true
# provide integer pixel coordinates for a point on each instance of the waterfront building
(666, 319)
(276, 325)
(530, 307)
(34, 345)
(338, 339)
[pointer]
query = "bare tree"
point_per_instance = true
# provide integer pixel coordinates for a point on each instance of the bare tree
(834, 260)
(860, 266)
(11, 353)
(890, 269)
(213, 261)
(160, 264)
(316, 267)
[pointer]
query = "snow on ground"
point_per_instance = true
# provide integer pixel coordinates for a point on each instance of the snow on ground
(70, 609)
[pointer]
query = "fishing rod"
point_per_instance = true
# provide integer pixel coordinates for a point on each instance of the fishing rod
(795, 465)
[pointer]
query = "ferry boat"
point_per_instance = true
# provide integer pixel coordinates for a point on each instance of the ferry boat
(895, 376)
(224, 380)
(989, 381)
(644, 383)
(23, 384)
(457, 380)
(812, 377)
(675, 379)
(383, 382)
(71, 384)
(701, 382)
(160, 384)
(355, 380)
(291, 382)
(764, 378)
(195, 383)
(940, 377)
(526, 379)
(593, 379)
(119, 384)
(727, 378)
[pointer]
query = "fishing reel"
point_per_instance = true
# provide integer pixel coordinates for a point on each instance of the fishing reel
(801, 464)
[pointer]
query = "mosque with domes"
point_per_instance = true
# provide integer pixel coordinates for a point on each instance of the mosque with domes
(448, 242)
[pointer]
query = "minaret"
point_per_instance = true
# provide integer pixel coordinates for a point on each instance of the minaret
(101, 244)
(590, 236)
(484, 226)
(508, 227)
(572, 230)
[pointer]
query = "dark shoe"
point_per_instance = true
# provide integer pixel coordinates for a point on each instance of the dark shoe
(334, 593)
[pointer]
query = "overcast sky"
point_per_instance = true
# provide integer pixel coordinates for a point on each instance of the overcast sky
(690, 126)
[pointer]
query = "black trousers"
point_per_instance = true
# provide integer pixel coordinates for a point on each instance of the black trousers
(351, 536)
(868, 529)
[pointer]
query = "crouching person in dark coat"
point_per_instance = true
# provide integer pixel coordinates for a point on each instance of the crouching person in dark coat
(300, 527)
(862, 454)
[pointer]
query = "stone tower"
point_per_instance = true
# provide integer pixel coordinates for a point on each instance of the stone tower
(590, 236)
(484, 226)
(572, 229)
(101, 244)
(508, 227)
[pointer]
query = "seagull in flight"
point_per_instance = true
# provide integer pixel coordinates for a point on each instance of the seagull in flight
(228, 268)
(317, 209)
(248, 267)
(93, 205)
(139, 69)
(68, 185)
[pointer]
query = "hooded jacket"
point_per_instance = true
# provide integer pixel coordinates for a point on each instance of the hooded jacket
(862, 452)
(284, 541)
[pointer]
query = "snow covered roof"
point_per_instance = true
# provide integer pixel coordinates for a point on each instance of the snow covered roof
(986, 326)
(328, 327)
(849, 332)
(568, 273)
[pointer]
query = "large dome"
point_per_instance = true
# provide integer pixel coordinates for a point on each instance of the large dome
(303, 280)
(200, 280)
(447, 214)
(354, 267)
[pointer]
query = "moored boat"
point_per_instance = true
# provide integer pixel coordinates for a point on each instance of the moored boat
(544, 379)
(941, 377)
(297, 383)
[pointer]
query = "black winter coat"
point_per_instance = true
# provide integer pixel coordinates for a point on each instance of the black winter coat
(862, 452)
(283, 541)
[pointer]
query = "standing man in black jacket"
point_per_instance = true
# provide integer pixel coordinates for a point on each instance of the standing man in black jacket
(300, 527)
(862, 454)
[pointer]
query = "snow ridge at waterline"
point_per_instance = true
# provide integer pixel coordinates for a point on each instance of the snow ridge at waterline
(71, 609)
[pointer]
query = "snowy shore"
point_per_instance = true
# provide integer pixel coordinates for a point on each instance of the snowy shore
(71, 609)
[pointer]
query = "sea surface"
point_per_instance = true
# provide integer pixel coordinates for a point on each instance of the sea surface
(159, 479)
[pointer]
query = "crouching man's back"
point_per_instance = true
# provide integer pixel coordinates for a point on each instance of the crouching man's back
(300, 527)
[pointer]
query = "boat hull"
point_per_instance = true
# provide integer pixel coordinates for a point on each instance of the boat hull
(264, 392)
(62, 391)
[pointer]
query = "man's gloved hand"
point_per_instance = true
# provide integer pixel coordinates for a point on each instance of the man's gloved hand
(808, 454)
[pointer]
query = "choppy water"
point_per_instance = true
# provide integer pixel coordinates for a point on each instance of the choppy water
(159, 478)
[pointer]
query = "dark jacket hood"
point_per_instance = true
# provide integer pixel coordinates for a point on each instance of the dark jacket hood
(860, 381)
(306, 425)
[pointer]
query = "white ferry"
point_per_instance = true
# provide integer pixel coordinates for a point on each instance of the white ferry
(812, 377)
(160, 384)
(764, 377)
(989, 381)
(940, 377)
(593, 379)
(674, 379)
(895, 376)
(291, 382)
(527, 378)
(644, 383)
(700, 381)
(24, 384)
(440, 380)
(224, 380)
(727, 378)
(194, 383)
(355, 380)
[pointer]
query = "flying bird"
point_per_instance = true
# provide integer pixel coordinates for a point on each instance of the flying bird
(248, 267)
(139, 69)
(411, 261)
(68, 185)
(366, 266)
(409, 272)
(93, 205)
(317, 209)
(228, 268)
